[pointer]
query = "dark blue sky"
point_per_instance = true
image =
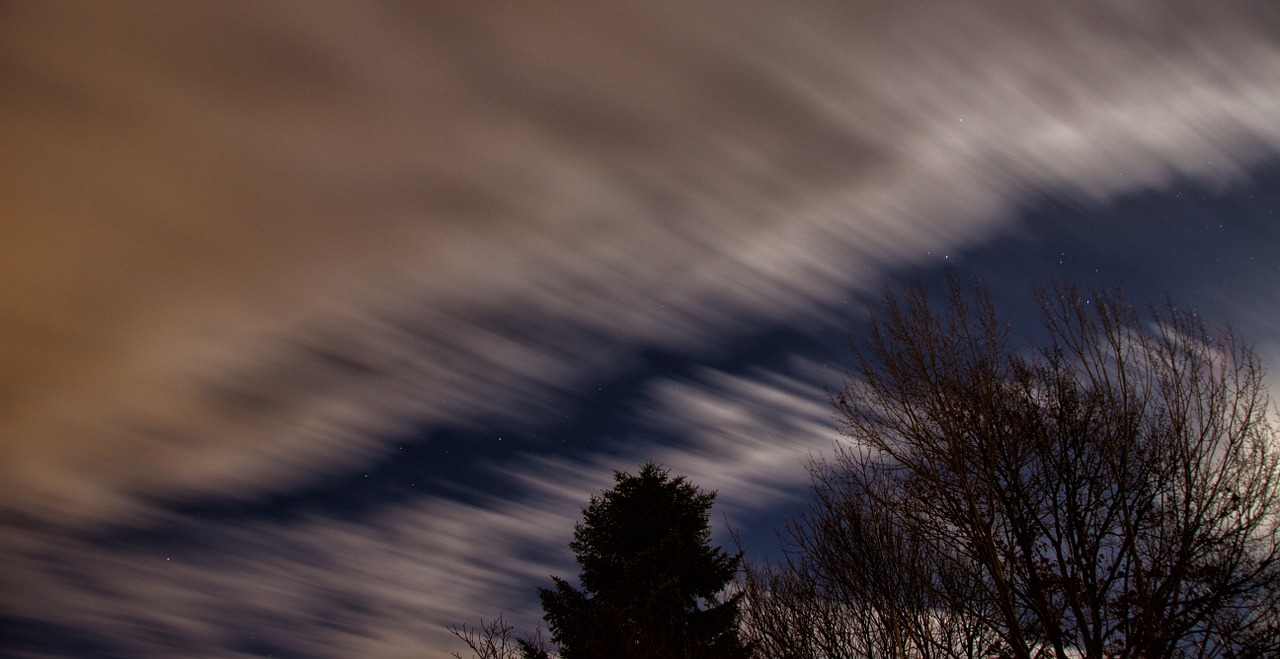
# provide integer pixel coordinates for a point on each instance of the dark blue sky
(319, 325)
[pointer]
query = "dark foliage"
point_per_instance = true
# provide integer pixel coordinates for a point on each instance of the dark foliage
(650, 579)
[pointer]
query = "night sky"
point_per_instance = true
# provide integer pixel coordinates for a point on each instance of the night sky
(320, 322)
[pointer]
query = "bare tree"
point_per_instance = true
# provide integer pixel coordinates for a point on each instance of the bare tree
(496, 639)
(1114, 491)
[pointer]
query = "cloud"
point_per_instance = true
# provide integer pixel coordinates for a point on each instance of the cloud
(241, 242)
(387, 585)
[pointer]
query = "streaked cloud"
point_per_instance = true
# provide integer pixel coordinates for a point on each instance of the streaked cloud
(243, 244)
(241, 240)
(386, 586)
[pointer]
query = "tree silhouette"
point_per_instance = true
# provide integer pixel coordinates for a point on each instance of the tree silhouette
(650, 579)
(496, 639)
(1114, 491)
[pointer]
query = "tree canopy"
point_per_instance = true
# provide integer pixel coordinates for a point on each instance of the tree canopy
(650, 579)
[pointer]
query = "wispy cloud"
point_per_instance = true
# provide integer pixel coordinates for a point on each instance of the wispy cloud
(388, 585)
(242, 243)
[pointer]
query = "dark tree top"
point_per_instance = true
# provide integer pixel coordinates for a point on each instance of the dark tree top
(649, 575)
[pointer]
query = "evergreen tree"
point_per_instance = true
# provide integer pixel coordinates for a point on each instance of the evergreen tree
(649, 575)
